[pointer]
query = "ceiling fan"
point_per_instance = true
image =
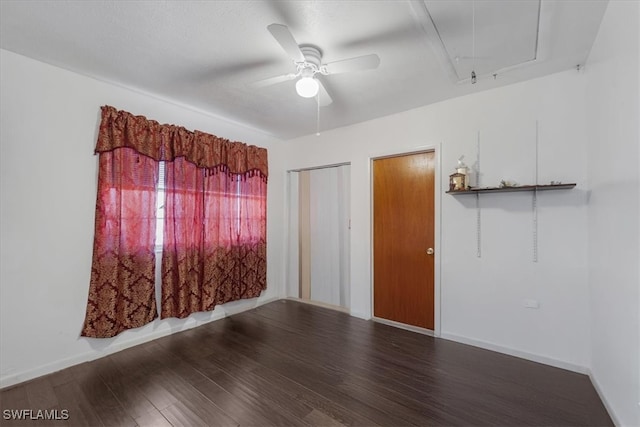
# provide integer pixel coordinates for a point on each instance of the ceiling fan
(308, 62)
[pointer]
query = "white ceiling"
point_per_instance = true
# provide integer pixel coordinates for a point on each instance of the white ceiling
(206, 53)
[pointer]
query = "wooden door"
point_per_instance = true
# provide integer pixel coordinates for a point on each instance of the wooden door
(403, 232)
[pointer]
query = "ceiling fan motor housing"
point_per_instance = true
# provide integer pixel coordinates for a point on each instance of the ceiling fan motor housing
(312, 59)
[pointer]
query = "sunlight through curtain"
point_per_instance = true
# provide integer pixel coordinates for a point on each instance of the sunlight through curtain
(121, 295)
(214, 248)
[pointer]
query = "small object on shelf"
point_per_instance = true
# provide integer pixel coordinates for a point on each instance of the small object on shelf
(457, 182)
(504, 184)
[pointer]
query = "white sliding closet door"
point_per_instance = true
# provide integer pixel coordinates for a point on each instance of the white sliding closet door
(319, 244)
(329, 235)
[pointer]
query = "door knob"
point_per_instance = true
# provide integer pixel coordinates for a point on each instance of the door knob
(430, 251)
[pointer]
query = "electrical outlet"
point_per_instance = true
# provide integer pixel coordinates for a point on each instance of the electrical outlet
(531, 303)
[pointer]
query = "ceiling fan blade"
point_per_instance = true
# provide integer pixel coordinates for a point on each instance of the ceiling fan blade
(366, 62)
(273, 80)
(283, 36)
(324, 98)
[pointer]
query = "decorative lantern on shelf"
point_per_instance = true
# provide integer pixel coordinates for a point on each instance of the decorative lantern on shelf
(458, 181)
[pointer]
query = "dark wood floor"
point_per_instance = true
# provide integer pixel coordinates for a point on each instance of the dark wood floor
(288, 363)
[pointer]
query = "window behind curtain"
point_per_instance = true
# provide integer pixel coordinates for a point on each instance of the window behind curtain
(160, 199)
(246, 204)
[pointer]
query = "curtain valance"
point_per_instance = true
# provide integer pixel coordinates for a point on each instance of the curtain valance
(167, 142)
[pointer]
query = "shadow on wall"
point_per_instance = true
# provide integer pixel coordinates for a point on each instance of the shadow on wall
(522, 201)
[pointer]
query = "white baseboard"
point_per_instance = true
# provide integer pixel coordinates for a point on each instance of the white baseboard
(320, 304)
(189, 323)
(604, 400)
(517, 353)
(360, 315)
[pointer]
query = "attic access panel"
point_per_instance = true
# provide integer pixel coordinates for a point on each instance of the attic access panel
(506, 33)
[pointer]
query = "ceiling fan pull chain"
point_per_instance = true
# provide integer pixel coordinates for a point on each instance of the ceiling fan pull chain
(473, 32)
(473, 38)
(318, 114)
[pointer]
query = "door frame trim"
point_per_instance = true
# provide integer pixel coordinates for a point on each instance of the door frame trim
(437, 149)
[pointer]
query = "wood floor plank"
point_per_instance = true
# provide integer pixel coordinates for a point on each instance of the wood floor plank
(100, 396)
(41, 401)
(128, 388)
(40, 394)
(152, 419)
(336, 410)
(272, 396)
(60, 377)
(319, 418)
(81, 411)
(14, 399)
(239, 364)
(374, 402)
(274, 415)
(289, 363)
(157, 394)
(323, 382)
(198, 374)
(131, 375)
(190, 398)
(238, 409)
(179, 415)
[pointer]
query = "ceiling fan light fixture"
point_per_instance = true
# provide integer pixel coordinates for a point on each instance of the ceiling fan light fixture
(307, 87)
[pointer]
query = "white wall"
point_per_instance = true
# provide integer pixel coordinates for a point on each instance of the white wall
(48, 186)
(613, 143)
(482, 298)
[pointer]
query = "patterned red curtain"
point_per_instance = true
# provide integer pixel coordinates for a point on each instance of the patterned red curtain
(214, 248)
(121, 293)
